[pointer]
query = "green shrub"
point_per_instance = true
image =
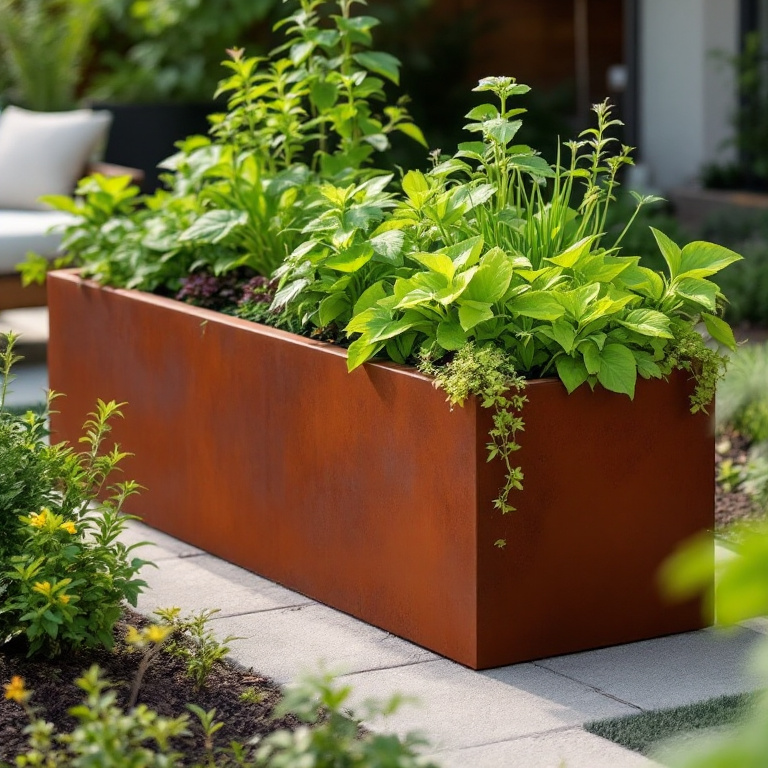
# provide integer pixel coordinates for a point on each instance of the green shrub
(742, 398)
(63, 572)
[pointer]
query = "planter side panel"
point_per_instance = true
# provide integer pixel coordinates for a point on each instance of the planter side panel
(611, 488)
(256, 446)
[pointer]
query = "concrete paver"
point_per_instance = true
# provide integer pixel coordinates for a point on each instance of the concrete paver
(666, 672)
(570, 748)
(461, 708)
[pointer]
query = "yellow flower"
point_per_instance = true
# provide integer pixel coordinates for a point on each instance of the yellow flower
(63, 598)
(133, 636)
(69, 527)
(156, 633)
(38, 520)
(16, 691)
(43, 587)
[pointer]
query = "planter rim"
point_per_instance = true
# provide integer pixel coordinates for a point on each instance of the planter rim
(206, 315)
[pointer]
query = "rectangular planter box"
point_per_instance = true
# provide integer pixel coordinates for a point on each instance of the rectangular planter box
(367, 493)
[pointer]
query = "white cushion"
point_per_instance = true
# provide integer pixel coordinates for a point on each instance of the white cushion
(45, 153)
(24, 231)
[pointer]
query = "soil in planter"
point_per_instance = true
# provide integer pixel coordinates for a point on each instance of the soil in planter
(165, 689)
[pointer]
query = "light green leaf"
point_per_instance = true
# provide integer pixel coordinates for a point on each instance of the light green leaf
(618, 369)
(670, 251)
(571, 372)
(388, 245)
(646, 366)
(701, 259)
(648, 322)
(436, 262)
(212, 227)
(416, 186)
(578, 301)
(702, 292)
(591, 355)
(533, 164)
(563, 333)
(369, 297)
(450, 335)
(466, 253)
(359, 351)
(482, 112)
(381, 63)
(492, 278)
(537, 304)
(473, 312)
(412, 131)
(502, 130)
(643, 281)
(719, 330)
(352, 259)
(570, 256)
(332, 306)
(323, 94)
(457, 287)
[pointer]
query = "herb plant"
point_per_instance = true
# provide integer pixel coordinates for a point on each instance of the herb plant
(63, 572)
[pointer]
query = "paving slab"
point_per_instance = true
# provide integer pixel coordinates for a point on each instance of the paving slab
(666, 672)
(570, 748)
(204, 581)
(460, 708)
(162, 546)
(284, 644)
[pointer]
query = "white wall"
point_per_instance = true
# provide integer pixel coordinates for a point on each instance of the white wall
(686, 98)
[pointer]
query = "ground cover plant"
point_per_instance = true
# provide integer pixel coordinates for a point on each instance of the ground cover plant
(489, 268)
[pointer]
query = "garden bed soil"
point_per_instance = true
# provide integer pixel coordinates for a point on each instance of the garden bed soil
(165, 689)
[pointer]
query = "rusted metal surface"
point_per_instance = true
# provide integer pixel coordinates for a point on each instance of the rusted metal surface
(364, 491)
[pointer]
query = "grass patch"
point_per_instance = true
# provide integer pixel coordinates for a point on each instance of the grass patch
(642, 732)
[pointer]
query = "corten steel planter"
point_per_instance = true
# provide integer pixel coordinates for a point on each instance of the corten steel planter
(366, 492)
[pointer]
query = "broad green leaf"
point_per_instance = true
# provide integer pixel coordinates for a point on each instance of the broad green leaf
(492, 278)
(381, 63)
(352, 259)
(578, 301)
(416, 186)
(571, 372)
(599, 268)
(571, 255)
(466, 253)
(702, 292)
(646, 366)
(323, 94)
(537, 304)
(719, 330)
(300, 51)
(563, 333)
(591, 355)
(388, 245)
(332, 306)
(378, 141)
(457, 287)
(670, 251)
(212, 227)
(359, 351)
(701, 259)
(502, 130)
(648, 322)
(473, 312)
(450, 335)
(369, 297)
(435, 262)
(289, 292)
(533, 164)
(643, 281)
(482, 112)
(618, 369)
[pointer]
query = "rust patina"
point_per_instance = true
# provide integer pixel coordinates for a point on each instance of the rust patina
(367, 493)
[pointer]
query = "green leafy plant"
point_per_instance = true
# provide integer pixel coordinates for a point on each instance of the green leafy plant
(195, 642)
(63, 572)
(44, 45)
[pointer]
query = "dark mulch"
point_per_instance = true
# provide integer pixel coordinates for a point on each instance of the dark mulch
(165, 689)
(733, 506)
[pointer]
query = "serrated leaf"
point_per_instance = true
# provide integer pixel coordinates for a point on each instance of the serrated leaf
(212, 227)
(571, 372)
(533, 164)
(289, 292)
(618, 369)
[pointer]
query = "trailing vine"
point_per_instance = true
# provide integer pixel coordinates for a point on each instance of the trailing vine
(689, 352)
(488, 373)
